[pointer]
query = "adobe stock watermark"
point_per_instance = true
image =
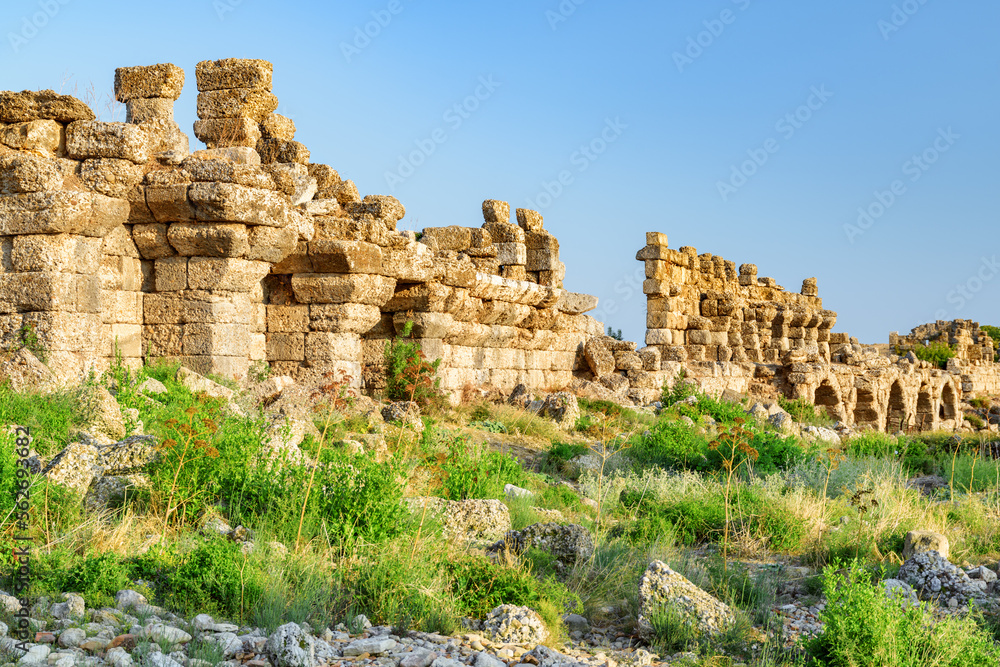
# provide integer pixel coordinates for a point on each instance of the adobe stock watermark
(223, 7)
(787, 126)
(964, 293)
(626, 288)
(914, 168)
(699, 43)
(454, 116)
(31, 25)
(900, 16)
(565, 9)
(363, 35)
(581, 158)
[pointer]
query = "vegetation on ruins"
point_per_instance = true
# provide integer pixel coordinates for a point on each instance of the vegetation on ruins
(732, 503)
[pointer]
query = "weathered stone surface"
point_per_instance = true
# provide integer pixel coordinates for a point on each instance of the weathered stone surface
(51, 291)
(149, 110)
(235, 103)
(42, 105)
(512, 624)
(271, 244)
(568, 544)
(93, 139)
(228, 202)
(276, 150)
(600, 360)
(576, 304)
(355, 318)
(232, 275)
(209, 239)
(151, 241)
(919, 541)
(363, 288)
(234, 73)
(528, 220)
(164, 80)
(67, 253)
(345, 257)
(279, 127)
(23, 172)
(226, 132)
(496, 211)
(41, 136)
(661, 588)
(111, 177)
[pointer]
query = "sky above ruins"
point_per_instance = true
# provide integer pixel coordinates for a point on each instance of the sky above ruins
(853, 141)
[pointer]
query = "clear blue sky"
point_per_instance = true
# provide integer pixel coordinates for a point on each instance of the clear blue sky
(884, 88)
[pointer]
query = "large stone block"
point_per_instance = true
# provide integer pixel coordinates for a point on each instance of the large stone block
(345, 257)
(496, 211)
(151, 241)
(93, 139)
(373, 290)
(380, 207)
(511, 253)
(164, 80)
(120, 273)
(49, 291)
(272, 244)
(286, 319)
(228, 132)
(121, 307)
(39, 136)
(504, 232)
(228, 202)
(149, 110)
(231, 275)
(191, 306)
(356, 318)
(426, 297)
(208, 239)
(111, 177)
(325, 347)
(171, 274)
(204, 339)
(67, 253)
(162, 340)
(124, 339)
(23, 172)
(286, 346)
(119, 242)
(276, 150)
(66, 331)
(425, 325)
(204, 168)
(234, 73)
(600, 360)
(410, 263)
(235, 103)
(170, 203)
(30, 105)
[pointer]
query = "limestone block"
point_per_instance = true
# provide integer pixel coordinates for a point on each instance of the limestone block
(511, 253)
(39, 136)
(528, 220)
(271, 244)
(228, 132)
(654, 287)
(504, 313)
(50, 291)
(344, 192)
(653, 252)
(298, 261)
(411, 263)
(650, 357)
(513, 272)
(496, 211)
(234, 73)
(28, 105)
(426, 297)
(380, 207)
(166, 137)
(147, 110)
(162, 340)
(374, 290)
(190, 306)
(346, 257)
(111, 177)
(627, 361)
(353, 318)
(23, 172)
(170, 203)
(326, 177)
(203, 167)
(280, 127)
(598, 357)
(294, 180)
(121, 307)
(204, 339)
(286, 346)
(504, 232)
(454, 269)
(93, 139)
(171, 274)
(235, 103)
(232, 275)
(126, 339)
(164, 81)
(541, 260)
(208, 239)
(486, 265)
(574, 303)
(228, 202)
(323, 347)
(276, 150)
(120, 273)
(66, 331)
(151, 241)
(67, 253)
(425, 325)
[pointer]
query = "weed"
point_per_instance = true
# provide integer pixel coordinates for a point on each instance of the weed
(409, 376)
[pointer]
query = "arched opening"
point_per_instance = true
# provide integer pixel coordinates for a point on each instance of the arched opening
(925, 408)
(827, 399)
(948, 401)
(865, 411)
(897, 419)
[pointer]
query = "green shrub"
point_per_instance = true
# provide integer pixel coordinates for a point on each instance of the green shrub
(865, 627)
(559, 454)
(409, 376)
(678, 390)
(935, 352)
(97, 577)
(670, 444)
(53, 417)
(475, 471)
(975, 421)
(804, 412)
(774, 452)
(359, 497)
(914, 453)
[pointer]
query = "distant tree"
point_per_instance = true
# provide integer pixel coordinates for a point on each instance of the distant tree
(617, 335)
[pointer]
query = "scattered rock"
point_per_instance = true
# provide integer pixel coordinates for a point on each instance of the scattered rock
(518, 625)
(661, 588)
(568, 544)
(562, 408)
(917, 541)
(290, 646)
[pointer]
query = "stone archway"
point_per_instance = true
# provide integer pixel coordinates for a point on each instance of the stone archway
(897, 417)
(866, 410)
(949, 403)
(828, 399)
(925, 408)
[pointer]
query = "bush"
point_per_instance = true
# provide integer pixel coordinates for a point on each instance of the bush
(670, 444)
(559, 454)
(865, 627)
(359, 497)
(914, 453)
(975, 421)
(677, 391)
(97, 577)
(804, 412)
(935, 352)
(474, 471)
(408, 374)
